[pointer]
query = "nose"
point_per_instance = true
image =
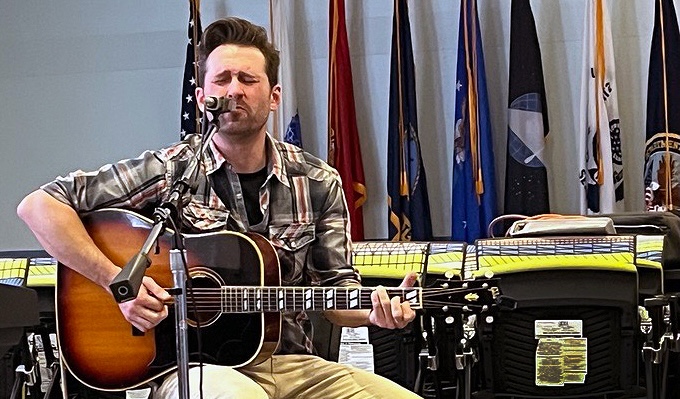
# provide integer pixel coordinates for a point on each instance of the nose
(235, 89)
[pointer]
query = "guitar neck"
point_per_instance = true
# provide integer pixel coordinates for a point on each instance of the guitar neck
(280, 299)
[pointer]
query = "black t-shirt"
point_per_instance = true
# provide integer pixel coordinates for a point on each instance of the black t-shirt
(250, 184)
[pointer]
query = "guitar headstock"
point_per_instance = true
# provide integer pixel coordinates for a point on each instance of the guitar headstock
(464, 296)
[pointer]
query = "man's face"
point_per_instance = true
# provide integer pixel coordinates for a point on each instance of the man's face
(239, 72)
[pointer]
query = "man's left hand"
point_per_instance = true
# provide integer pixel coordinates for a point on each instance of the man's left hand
(391, 313)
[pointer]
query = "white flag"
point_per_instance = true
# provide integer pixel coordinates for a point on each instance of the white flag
(599, 139)
(287, 121)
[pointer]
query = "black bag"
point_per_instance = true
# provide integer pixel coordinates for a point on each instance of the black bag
(654, 223)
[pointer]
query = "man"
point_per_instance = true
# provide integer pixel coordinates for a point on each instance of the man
(248, 182)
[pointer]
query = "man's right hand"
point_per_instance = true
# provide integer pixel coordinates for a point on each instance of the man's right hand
(149, 308)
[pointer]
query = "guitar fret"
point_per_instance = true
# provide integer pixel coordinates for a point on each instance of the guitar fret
(354, 300)
(329, 298)
(250, 303)
(309, 298)
(281, 295)
(237, 300)
(265, 302)
(253, 299)
(411, 296)
(343, 300)
(232, 301)
(271, 307)
(299, 300)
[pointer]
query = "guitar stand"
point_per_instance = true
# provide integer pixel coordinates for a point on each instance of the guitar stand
(466, 355)
(655, 323)
(428, 360)
(56, 376)
(27, 378)
(22, 377)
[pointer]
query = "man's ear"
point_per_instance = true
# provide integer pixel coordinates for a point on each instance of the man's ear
(275, 98)
(200, 98)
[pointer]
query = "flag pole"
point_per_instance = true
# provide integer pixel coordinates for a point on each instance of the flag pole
(196, 10)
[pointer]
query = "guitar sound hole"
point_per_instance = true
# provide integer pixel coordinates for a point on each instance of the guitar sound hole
(206, 297)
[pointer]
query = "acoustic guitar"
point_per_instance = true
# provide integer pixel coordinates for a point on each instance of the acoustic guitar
(235, 303)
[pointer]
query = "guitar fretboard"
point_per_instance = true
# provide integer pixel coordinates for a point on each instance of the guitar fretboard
(277, 299)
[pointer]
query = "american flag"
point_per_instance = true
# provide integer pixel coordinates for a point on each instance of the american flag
(190, 119)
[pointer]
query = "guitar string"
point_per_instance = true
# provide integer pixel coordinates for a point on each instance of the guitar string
(210, 299)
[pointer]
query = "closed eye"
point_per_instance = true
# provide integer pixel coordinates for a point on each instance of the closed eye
(247, 78)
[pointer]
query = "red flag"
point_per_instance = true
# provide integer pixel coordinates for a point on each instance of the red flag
(344, 152)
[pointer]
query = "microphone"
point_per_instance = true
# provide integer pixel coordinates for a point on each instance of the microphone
(218, 105)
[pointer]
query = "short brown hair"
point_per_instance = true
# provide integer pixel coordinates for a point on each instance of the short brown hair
(238, 31)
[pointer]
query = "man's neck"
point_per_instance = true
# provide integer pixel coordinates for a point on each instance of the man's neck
(245, 155)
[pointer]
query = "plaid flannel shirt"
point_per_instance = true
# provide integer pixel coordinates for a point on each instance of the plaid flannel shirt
(304, 211)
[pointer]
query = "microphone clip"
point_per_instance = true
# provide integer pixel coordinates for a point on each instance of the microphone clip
(218, 105)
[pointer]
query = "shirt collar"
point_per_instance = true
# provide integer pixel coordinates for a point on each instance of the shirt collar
(275, 165)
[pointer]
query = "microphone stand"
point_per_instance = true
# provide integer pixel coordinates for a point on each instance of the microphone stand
(125, 286)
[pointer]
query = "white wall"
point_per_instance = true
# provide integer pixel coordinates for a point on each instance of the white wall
(86, 83)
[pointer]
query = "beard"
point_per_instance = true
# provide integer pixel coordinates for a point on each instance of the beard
(242, 123)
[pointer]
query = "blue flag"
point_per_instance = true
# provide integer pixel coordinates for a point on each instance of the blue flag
(409, 207)
(662, 148)
(474, 195)
(190, 121)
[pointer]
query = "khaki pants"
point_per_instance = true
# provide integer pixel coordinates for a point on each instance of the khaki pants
(287, 377)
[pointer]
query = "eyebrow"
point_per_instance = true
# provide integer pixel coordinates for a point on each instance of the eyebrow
(228, 73)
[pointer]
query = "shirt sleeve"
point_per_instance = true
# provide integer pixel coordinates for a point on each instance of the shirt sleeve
(331, 251)
(131, 183)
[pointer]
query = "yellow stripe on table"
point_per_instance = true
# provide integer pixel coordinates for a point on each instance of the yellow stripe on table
(42, 272)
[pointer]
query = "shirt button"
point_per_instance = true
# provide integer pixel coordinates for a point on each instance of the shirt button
(292, 244)
(239, 195)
